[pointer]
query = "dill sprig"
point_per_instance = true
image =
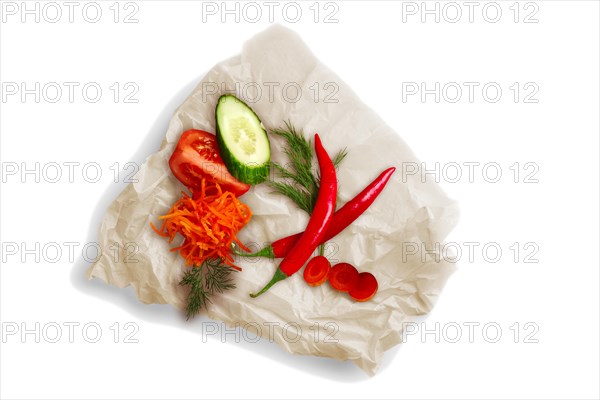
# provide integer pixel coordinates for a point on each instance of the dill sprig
(300, 183)
(204, 281)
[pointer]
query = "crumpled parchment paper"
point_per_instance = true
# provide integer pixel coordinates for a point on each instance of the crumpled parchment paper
(391, 240)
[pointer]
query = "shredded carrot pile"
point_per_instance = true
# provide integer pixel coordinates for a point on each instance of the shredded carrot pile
(208, 222)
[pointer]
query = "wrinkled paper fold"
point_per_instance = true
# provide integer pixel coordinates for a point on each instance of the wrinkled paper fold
(408, 215)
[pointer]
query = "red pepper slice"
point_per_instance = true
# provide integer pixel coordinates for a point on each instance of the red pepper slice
(343, 277)
(317, 271)
(317, 224)
(366, 287)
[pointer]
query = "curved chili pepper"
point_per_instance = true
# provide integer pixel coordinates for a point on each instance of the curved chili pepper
(317, 224)
(340, 220)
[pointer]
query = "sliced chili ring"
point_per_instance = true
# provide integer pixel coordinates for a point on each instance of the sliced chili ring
(365, 288)
(317, 271)
(343, 277)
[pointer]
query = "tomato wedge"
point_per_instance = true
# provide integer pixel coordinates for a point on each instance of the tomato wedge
(197, 156)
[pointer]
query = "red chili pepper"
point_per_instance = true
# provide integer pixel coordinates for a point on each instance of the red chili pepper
(318, 223)
(341, 219)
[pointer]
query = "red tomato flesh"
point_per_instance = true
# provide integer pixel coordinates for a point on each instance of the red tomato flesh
(197, 156)
(343, 277)
(317, 271)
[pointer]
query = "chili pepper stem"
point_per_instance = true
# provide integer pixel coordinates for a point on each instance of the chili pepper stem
(278, 276)
(264, 252)
(322, 249)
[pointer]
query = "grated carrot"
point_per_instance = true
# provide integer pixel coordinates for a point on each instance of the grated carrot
(208, 221)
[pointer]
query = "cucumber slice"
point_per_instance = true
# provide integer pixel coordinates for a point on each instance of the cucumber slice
(242, 140)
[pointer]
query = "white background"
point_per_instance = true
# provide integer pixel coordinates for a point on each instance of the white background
(377, 53)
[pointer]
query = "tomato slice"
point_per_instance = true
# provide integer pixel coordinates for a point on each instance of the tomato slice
(197, 156)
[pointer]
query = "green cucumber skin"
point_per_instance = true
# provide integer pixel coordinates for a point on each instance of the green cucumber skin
(251, 175)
